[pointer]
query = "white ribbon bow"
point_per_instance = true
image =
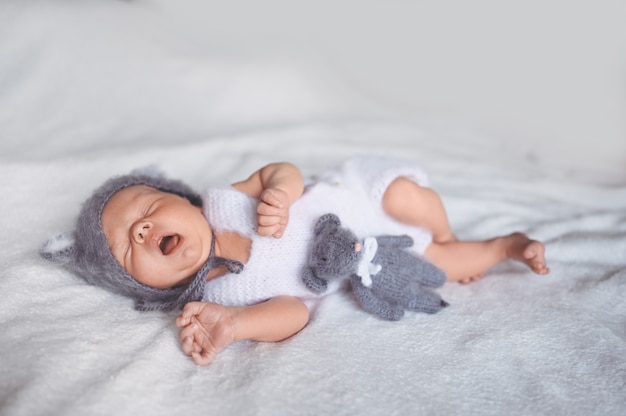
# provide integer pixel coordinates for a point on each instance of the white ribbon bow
(366, 267)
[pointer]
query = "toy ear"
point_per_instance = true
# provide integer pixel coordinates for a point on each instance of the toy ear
(59, 249)
(327, 221)
(314, 283)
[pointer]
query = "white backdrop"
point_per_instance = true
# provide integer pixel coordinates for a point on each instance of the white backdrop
(547, 77)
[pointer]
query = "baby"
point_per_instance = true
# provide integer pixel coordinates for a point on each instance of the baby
(232, 258)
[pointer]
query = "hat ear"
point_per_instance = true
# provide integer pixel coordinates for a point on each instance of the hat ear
(59, 249)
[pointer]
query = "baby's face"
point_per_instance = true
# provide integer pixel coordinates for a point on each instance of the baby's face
(160, 239)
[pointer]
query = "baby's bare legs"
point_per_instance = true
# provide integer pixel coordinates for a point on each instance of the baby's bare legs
(412, 204)
(463, 261)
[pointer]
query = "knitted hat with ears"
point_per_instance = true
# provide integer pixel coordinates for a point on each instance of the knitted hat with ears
(86, 251)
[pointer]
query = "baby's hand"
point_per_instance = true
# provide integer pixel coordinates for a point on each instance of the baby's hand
(272, 212)
(206, 329)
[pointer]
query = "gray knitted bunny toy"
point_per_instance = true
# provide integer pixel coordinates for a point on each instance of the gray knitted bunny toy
(385, 278)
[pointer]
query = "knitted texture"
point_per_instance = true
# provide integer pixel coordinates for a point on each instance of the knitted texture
(333, 254)
(353, 191)
(87, 253)
(275, 266)
(376, 173)
(402, 280)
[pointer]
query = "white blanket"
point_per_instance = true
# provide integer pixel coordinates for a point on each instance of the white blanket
(74, 113)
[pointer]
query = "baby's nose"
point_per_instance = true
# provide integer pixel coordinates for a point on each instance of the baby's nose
(141, 231)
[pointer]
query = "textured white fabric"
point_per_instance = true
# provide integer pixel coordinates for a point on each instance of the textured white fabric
(96, 88)
(353, 192)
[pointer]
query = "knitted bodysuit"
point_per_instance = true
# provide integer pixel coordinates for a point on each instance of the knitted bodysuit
(354, 193)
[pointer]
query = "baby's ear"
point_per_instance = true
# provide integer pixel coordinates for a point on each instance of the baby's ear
(59, 249)
(327, 221)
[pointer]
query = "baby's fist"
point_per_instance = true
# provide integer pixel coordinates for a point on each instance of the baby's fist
(273, 212)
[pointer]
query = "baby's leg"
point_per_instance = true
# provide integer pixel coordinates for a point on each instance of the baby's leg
(410, 203)
(465, 261)
(462, 261)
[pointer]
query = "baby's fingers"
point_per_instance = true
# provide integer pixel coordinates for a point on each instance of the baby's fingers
(204, 358)
(265, 210)
(275, 198)
(272, 225)
(189, 346)
(189, 335)
(268, 221)
(273, 230)
(191, 309)
(201, 353)
(182, 321)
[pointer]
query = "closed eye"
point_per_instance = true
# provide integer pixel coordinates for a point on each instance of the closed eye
(152, 206)
(149, 209)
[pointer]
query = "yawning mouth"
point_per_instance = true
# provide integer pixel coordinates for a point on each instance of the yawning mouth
(169, 243)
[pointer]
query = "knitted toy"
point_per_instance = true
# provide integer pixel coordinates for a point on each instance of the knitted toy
(385, 278)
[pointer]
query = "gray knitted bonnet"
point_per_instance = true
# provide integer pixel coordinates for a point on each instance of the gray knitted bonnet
(87, 253)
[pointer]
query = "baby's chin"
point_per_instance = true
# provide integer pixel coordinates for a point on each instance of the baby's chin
(195, 257)
(171, 281)
(185, 281)
(187, 265)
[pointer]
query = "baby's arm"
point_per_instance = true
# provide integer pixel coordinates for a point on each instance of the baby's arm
(276, 186)
(207, 328)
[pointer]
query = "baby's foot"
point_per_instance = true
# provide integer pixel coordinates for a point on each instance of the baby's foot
(529, 252)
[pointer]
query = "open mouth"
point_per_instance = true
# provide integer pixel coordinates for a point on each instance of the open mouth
(169, 243)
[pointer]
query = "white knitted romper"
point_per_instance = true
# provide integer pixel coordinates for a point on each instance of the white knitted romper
(353, 192)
